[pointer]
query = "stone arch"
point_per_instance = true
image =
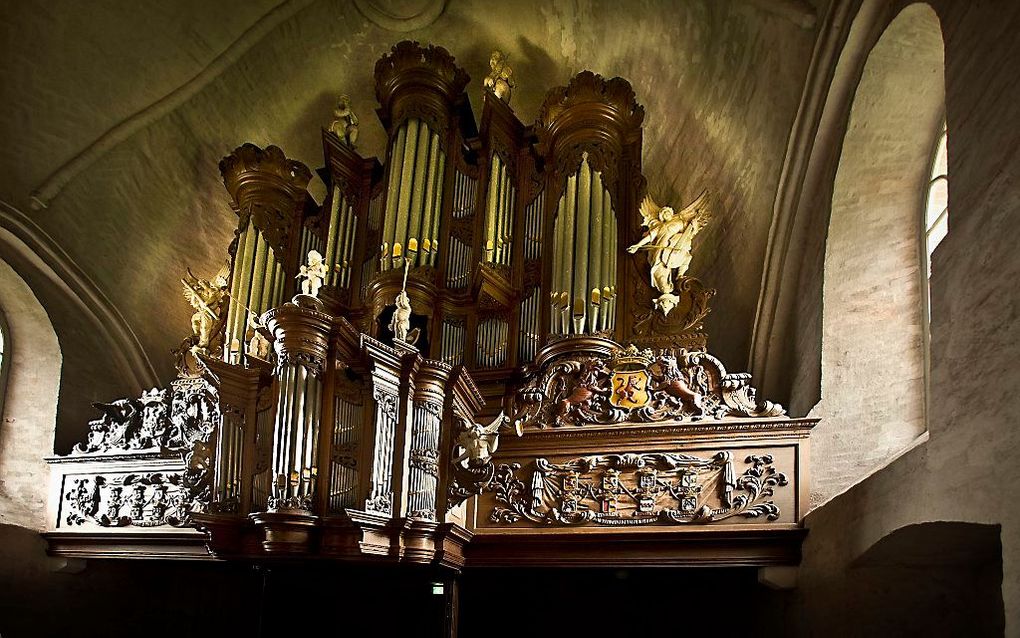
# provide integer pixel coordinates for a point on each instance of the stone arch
(872, 351)
(30, 410)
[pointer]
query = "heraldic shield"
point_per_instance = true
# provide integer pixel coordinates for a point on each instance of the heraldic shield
(630, 389)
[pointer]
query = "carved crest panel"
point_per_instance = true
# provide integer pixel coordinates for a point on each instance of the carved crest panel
(654, 488)
(149, 499)
(637, 386)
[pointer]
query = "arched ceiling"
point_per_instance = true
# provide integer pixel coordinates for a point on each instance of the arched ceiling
(118, 114)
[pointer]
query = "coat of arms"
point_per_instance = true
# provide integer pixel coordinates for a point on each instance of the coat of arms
(630, 378)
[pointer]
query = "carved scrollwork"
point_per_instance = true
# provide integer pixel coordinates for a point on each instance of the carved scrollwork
(386, 402)
(158, 420)
(635, 489)
(472, 467)
(425, 460)
(267, 188)
(468, 481)
(683, 326)
(637, 387)
(381, 503)
(149, 499)
(131, 424)
(284, 503)
(310, 361)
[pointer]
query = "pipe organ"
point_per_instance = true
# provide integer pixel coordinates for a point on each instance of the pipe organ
(467, 353)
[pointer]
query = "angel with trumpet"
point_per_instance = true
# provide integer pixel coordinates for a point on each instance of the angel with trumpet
(668, 241)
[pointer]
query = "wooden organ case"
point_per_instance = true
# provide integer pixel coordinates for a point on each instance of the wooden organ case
(551, 411)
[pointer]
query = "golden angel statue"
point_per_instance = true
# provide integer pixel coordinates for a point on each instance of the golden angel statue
(477, 443)
(501, 78)
(668, 241)
(205, 296)
(346, 123)
(312, 274)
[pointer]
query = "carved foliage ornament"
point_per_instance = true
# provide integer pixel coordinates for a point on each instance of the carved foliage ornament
(180, 421)
(636, 489)
(636, 387)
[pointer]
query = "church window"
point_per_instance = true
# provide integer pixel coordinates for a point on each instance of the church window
(936, 211)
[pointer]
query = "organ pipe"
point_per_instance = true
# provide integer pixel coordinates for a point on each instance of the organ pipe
(499, 207)
(414, 193)
(340, 243)
(582, 298)
(257, 281)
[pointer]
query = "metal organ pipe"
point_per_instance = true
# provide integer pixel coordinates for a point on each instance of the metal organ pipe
(340, 244)
(343, 491)
(436, 201)
(499, 207)
(458, 263)
(262, 483)
(414, 193)
(453, 341)
(584, 266)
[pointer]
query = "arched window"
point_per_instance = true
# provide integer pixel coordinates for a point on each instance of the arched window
(5, 359)
(873, 363)
(935, 223)
(936, 210)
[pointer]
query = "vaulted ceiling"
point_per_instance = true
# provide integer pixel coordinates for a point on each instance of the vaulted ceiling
(114, 116)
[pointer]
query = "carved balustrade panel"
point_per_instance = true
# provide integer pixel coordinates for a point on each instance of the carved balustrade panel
(697, 486)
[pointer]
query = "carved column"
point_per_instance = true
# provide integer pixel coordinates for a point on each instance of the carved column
(234, 460)
(426, 425)
(385, 379)
(302, 347)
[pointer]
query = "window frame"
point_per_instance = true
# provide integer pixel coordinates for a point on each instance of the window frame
(925, 252)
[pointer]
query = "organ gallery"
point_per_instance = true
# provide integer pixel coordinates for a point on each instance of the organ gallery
(483, 349)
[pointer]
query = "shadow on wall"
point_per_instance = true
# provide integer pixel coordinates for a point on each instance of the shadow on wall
(930, 579)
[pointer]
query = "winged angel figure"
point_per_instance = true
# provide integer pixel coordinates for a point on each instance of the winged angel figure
(668, 241)
(477, 442)
(205, 297)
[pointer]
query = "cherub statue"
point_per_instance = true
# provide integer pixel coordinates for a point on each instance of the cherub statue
(206, 298)
(313, 274)
(501, 78)
(346, 123)
(400, 324)
(668, 242)
(477, 443)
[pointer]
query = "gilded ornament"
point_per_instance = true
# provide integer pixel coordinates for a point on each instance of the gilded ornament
(501, 77)
(206, 297)
(346, 123)
(668, 240)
